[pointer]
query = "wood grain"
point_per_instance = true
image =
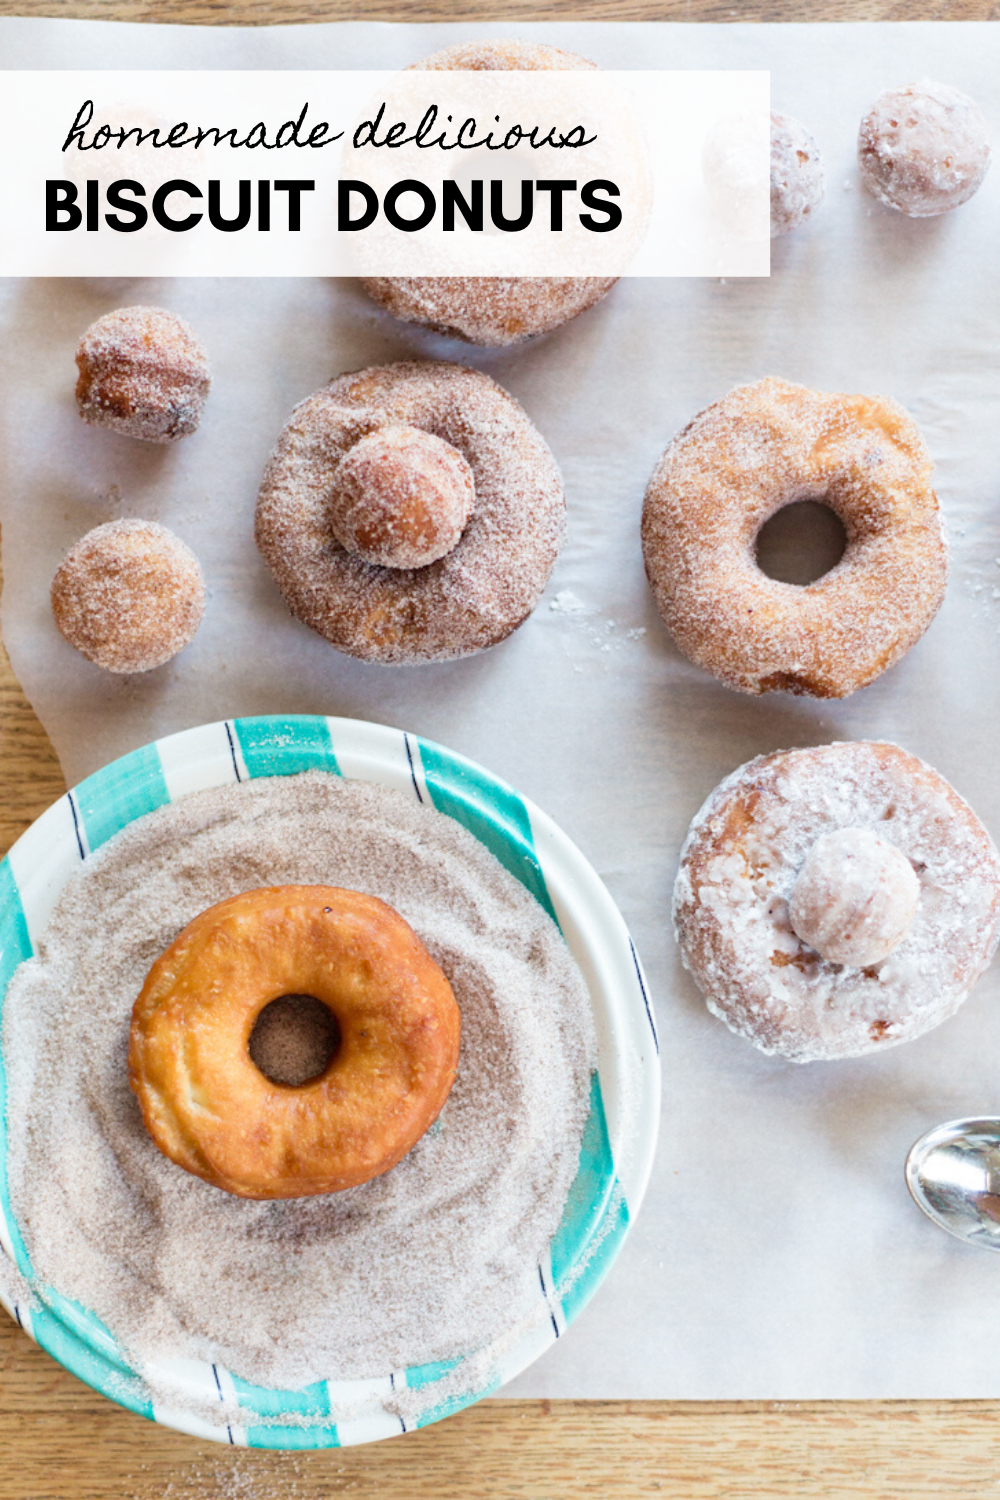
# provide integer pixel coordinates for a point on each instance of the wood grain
(290, 12)
(61, 1441)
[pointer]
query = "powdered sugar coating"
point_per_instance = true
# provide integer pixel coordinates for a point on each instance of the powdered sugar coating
(492, 310)
(798, 180)
(434, 1259)
(143, 372)
(923, 149)
(737, 873)
(760, 448)
(129, 595)
(854, 898)
(468, 600)
(401, 498)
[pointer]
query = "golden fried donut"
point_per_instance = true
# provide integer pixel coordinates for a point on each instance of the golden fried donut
(760, 448)
(213, 1112)
(491, 310)
(143, 372)
(129, 595)
(836, 900)
(452, 454)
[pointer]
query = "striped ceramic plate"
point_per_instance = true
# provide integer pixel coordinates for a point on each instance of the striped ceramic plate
(618, 1141)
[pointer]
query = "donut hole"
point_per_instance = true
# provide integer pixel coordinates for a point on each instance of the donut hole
(294, 1040)
(801, 543)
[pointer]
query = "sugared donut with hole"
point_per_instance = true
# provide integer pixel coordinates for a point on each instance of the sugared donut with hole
(411, 513)
(835, 900)
(214, 1112)
(763, 447)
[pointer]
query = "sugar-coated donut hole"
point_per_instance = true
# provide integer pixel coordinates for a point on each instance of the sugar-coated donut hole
(801, 542)
(294, 1039)
(401, 498)
(854, 898)
(923, 148)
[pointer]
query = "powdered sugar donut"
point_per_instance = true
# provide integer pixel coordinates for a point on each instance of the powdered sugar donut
(833, 840)
(372, 601)
(492, 310)
(760, 448)
(798, 180)
(923, 149)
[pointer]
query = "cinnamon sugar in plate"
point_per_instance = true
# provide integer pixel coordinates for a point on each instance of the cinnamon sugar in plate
(431, 1261)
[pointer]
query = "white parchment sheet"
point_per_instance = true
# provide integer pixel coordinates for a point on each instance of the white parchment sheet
(777, 1255)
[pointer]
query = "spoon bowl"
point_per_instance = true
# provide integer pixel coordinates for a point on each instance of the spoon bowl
(953, 1174)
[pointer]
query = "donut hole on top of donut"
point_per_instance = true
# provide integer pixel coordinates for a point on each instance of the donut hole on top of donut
(294, 1039)
(801, 543)
(411, 512)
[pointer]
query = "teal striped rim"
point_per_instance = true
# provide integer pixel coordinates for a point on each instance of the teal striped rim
(602, 1199)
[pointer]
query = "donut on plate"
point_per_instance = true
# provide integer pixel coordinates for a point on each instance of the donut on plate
(760, 448)
(211, 1110)
(492, 310)
(411, 513)
(836, 900)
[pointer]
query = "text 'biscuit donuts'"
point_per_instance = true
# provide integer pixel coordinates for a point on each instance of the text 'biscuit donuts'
(209, 1107)
(765, 446)
(492, 310)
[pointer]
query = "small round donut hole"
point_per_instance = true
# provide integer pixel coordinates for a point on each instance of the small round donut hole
(801, 543)
(401, 498)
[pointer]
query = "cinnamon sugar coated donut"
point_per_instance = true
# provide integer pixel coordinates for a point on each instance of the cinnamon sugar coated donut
(923, 149)
(765, 446)
(474, 595)
(492, 310)
(129, 596)
(807, 850)
(143, 372)
(798, 180)
(212, 1111)
(401, 497)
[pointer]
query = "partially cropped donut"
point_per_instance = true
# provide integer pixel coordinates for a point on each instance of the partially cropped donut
(765, 446)
(836, 900)
(143, 372)
(129, 595)
(411, 513)
(798, 180)
(923, 149)
(207, 1105)
(492, 310)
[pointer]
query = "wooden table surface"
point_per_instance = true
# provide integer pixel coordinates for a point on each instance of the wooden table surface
(61, 1441)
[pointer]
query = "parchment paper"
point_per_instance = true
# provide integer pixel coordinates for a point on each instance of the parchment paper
(777, 1255)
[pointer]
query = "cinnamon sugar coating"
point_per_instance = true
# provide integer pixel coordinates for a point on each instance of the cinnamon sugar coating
(401, 498)
(477, 593)
(144, 373)
(491, 310)
(923, 149)
(760, 448)
(744, 854)
(129, 596)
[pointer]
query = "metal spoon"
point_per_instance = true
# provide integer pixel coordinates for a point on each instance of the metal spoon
(953, 1174)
